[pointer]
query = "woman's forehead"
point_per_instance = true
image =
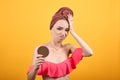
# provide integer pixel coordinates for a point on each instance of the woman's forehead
(62, 23)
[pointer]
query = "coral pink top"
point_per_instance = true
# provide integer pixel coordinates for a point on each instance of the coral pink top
(59, 69)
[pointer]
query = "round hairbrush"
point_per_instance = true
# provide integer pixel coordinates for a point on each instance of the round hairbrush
(43, 51)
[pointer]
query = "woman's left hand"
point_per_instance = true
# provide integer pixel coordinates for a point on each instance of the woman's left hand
(70, 19)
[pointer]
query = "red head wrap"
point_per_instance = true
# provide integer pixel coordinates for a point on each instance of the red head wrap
(61, 14)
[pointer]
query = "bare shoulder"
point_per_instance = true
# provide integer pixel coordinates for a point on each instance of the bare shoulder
(70, 47)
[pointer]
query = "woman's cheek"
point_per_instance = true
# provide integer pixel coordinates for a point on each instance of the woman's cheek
(57, 31)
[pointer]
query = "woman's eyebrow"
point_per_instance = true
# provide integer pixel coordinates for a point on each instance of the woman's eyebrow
(60, 27)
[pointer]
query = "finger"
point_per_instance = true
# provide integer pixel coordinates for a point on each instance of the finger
(39, 62)
(39, 56)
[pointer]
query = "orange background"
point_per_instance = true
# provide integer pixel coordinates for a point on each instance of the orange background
(24, 24)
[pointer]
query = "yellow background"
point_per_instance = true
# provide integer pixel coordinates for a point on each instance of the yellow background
(24, 24)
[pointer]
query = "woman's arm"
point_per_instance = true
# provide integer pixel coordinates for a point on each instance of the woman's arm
(36, 62)
(32, 74)
(87, 51)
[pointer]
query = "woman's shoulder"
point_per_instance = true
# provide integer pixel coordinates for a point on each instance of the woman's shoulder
(68, 44)
(70, 47)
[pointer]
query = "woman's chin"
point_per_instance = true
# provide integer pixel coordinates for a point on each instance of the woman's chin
(60, 40)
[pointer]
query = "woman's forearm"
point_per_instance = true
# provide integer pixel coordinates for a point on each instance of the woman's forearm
(32, 74)
(87, 51)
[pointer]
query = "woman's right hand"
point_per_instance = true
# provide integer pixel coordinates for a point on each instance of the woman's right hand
(39, 59)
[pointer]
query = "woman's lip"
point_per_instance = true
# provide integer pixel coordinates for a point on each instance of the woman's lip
(62, 37)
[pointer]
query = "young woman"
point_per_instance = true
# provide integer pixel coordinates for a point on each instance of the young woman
(57, 65)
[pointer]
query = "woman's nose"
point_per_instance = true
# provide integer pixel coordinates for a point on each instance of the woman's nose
(64, 33)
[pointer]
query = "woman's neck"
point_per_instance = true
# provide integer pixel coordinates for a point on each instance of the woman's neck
(55, 44)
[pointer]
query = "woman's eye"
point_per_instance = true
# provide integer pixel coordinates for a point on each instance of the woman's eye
(67, 30)
(59, 28)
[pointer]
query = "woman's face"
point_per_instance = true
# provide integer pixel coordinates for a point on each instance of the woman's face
(60, 30)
